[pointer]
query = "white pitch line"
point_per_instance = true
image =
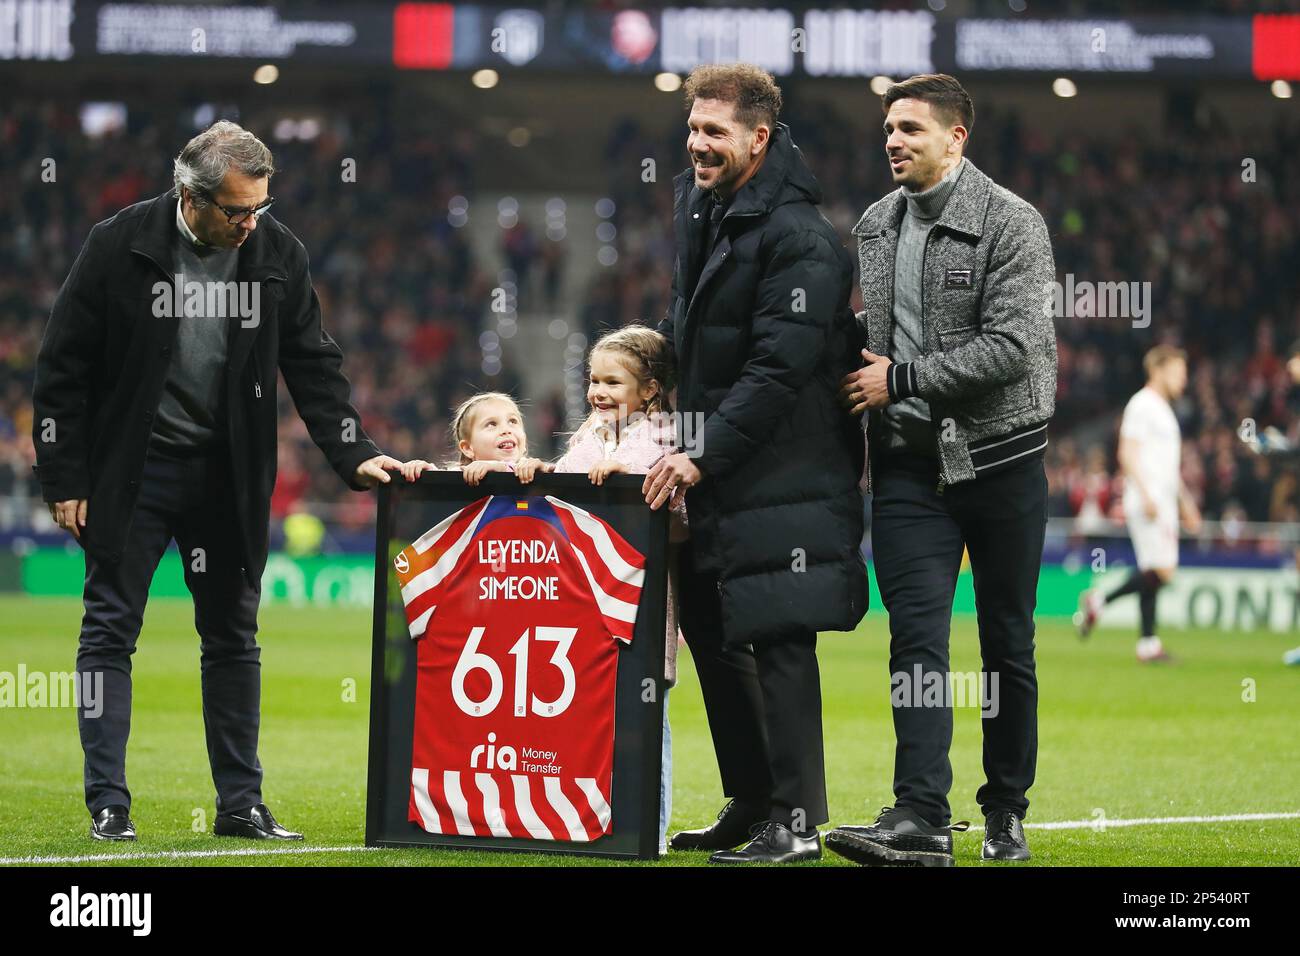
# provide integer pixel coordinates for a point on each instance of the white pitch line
(187, 854)
(1102, 823)
(1105, 823)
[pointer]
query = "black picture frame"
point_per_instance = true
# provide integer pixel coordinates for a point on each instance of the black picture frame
(408, 509)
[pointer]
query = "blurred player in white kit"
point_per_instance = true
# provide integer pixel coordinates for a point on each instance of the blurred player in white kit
(1155, 498)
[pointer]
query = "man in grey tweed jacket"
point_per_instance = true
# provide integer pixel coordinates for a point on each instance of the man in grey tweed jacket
(959, 380)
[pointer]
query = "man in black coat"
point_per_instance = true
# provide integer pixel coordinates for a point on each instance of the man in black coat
(155, 418)
(763, 334)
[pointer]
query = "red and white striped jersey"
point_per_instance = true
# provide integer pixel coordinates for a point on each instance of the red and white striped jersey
(517, 604)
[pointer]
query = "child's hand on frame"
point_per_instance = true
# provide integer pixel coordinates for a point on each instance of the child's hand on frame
(415, 467)
(475, 470)
(603, 469)
(527, 468)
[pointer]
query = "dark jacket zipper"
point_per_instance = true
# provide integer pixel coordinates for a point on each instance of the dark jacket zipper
(257, 366)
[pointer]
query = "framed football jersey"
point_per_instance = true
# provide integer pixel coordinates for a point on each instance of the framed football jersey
(517, 670)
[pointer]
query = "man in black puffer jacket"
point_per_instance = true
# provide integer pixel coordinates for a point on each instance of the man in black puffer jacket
(762, 330)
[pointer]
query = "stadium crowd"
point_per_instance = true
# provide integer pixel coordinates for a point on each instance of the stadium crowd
(403, 294)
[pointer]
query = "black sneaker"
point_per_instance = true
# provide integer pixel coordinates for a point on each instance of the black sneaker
(1004, 837)
(899, 837)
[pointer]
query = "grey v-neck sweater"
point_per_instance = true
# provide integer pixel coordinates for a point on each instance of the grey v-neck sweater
(191, 413)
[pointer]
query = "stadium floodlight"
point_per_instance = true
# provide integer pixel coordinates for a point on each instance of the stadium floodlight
(101, 119)
(1281, 89)
(879, 84)
(484, 79)
(266, 74)
(1064, 87)
(668, 82)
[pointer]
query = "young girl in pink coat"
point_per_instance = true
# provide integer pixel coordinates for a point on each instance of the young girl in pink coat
(630, 429)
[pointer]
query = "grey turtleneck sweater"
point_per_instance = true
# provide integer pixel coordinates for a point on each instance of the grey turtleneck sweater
(907, 424)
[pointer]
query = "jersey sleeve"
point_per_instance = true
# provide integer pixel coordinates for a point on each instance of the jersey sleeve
(428, 566)
(1136, 420)
(615, 571)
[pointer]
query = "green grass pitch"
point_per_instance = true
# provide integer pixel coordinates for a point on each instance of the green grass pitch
(1117, 741)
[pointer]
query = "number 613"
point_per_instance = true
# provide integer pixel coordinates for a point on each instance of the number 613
(471, 660)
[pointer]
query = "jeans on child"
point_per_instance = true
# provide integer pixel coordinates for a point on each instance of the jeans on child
(665, 781)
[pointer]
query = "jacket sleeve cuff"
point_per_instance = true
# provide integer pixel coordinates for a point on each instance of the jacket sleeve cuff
(351, 461)
(901, 380)
(56, 486)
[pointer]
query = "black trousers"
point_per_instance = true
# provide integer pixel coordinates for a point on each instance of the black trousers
(917, 536)
(190, 501)
(764, 707)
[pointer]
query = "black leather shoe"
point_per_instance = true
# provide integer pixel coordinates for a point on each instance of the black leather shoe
(256, 823)
(112, 823)
(899, 837)
(1004, 837)
(734, 826)
(773, 843)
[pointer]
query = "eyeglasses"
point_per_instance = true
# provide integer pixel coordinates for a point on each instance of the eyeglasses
(239, 214)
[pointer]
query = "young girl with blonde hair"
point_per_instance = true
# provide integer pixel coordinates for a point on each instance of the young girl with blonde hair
(488, 430)
(628, 430)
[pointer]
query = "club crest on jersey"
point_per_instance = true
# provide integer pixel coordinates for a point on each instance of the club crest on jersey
(498, 758)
